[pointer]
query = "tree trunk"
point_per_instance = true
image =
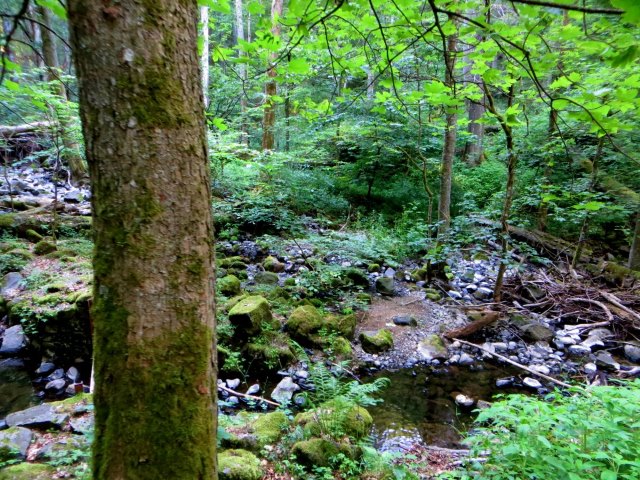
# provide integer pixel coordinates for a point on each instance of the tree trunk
(634, 254)
(271, 88)
(473, 149)
(153, 311)
(242, 70)
(71, 154)
(449, 149)
(204, 56)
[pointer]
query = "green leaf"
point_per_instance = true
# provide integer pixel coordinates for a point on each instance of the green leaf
(631, 9)
(55, 6)
(219, 124)
(608, 475)
(592, 206)
(298, 66)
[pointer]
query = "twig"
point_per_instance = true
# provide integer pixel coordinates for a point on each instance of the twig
(587, 326)
(594, 302)
(252, 397)
(515, 364)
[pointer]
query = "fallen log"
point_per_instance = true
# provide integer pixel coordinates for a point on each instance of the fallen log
(8, 131)
(480, 320)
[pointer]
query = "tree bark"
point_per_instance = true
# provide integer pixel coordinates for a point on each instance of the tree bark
(154, 325)
(449, 149)
(634, 253)
(204, 56)
(271, 87)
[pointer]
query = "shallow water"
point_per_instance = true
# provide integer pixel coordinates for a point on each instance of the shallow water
(16, 391)
(419, 406)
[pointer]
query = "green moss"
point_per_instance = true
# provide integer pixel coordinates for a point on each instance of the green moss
(270, 427)
(234, 301)
(270, 350)
(229, 261)
(27, 471)
(249, 316)
(433, 294)
(344, 325)
(32, 235)
(7, 221)
(290, 282)
(376, 342)
(373, 267)
(271, 264)
(336, 418)
(342, 348)
(303, 323)
(238, 465)
(357, 277)
(419, 274)
(43, 247)
(229, 286)
(319, 452)
(266, 278)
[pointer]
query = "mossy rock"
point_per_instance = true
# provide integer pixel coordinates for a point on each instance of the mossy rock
(303, 323)
(376, 342)
(373, 268)
(43, 247)
(229, 261)
(272, 351)
(270, 427)
(33, 236)
(419, 274)
(344, 325)
(357, 277)
(272, 264)
(342, 348)
(290, 282)
(266, 278)
(238, 465)
(320, 451)
(385, 286)
(28, 471)
(232, 302)
(250, 315)
(336, 418)
(229, 286)
(433, 294)
(363, 298)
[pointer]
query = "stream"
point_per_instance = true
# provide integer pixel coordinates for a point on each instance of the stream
(420, 407)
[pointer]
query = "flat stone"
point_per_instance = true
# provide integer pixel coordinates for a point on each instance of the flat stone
(405, 320)
(579, 350)
(465, 359)
(605, 360)
(540, 369)
(13, 341)
(593, 342)
(432, 347)
(45, 368)
(504, 382)
(601, 333)
(55, 385)
(283, 393)
(454, 294)
(10, 281)
(385, 285)
(483, 293)
(536, 332)
(464, 400)
(15, 442)
(531, 383)
(41, 416)
(566, 340)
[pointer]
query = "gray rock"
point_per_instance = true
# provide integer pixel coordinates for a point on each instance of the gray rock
(45, 368)
(605, 361)
(468, 275)
(535, 332)
(543, 369)
(593, 342)
(60, 445)
(601, 333)
(389, 273)
(504, 382)
(579, 350)
(500, 347)
(483, 404)
(74, 196)
(405, 320)
(56, 374)
(283, 393)
(385, 285)
(41, 416)
(566, 340)
(465, 359)
(432, 347)
(471, 288)
(73, 374)
(483, 293)
(253, 389)
(15, 442)
(464, 401)
(632, 352)
(266, 278)
(13, 341)
(590, 368)
(302, 374)
(233, 384)
(55, 385)
(454, 294)
(531, 383)
(12, 363)
(233, 401)
(10, 281)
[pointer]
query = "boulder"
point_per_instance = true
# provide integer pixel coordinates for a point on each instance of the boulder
(357, 277)
(304, 323)
(43, 247)
(250, 315)
(283, 393)
(385, 286)
(270, 427)
(320, 451)
(238, 465)
(405, 320)
(14, 443)
(432, 294)
(344, 325)
(535, 332)
(376, 342)
(229, 286)
(28, 471)
(336, 418)
(632, 352)
(271, 264)
(41, 416)
(432, 347)
(266, 278)
(13, 341)
(10, 281)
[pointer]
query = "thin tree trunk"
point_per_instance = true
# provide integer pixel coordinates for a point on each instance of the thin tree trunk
(153, 307)
(204, 56)
(271, 87)
(242, 70)
(71, 152)
(634, 253)
(37, 39)
(449, 149)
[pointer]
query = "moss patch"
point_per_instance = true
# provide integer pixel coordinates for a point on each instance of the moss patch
(304, 322)
(238, 465)
(376, 342)
(249, 316)
(43, 247)
(27, 471)
(229, 286)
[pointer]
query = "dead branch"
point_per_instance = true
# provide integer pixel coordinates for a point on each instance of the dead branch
(483, 318)
(252, 397)
(616, 301)
(594, 302)
(515, 364)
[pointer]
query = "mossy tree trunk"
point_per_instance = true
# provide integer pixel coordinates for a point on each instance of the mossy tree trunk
(142, 111)
(271, 87)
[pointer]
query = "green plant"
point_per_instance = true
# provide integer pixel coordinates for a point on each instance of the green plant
(75, 460)
(589, 434)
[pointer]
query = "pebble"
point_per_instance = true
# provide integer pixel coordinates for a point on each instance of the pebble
(253, 389)
(540, 369)
(579, 350)
(531, 383)
(465, 359)
(504, 382)
(590, 368)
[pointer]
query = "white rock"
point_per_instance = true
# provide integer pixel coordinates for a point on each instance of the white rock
(464, 401)
(531, 383)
